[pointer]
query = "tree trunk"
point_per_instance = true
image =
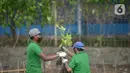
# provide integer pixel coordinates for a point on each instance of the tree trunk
(16, 38)
(12, 28)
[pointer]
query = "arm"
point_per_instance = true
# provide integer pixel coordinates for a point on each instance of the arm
(49, 57)
(67, 51)
(67, 67)
(40, 53)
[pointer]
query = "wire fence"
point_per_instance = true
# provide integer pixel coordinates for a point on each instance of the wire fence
(99, 26)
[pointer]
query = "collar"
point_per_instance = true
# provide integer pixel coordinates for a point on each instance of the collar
(81, 52)
(34, 42)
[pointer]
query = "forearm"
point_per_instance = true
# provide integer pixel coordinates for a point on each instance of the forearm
(51, 57)
(48, 57)
(69, 53)
(67, 67)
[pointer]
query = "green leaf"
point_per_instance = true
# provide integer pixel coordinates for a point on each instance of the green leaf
(62, 28)
(3, 10)
(18, 24)
(97, 1)
(30, 18)
(40, 4)
(49, 18)
(66, 38)
(25, 17)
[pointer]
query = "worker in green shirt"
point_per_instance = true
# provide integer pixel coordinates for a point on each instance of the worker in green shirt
(35, 53)
(79, 62)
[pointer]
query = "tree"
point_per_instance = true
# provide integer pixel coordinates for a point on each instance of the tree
(15, 13)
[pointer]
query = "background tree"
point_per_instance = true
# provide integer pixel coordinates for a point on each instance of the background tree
(16, 13)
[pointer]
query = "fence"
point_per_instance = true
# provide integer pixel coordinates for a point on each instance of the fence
(16, 70)
(87, 29)
(99, 25)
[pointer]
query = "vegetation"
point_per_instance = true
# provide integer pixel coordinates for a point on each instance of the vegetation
(18, 13)
(66, 38)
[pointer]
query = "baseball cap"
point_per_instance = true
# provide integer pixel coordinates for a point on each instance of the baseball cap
(34, 32)
(78, 45)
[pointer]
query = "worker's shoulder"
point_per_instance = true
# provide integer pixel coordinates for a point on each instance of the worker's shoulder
(81, 55)
(75, 56)
(32, 44)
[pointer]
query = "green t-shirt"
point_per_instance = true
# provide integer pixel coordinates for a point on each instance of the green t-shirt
(33, 62)
(80, 63)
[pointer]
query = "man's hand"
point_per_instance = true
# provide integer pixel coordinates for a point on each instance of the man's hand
(61, 54)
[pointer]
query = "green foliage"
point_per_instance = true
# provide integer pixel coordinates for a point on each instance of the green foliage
(28, 10)
(15, 13)
(66, 39)
(25, 10)
(5, 25)
(72, 2)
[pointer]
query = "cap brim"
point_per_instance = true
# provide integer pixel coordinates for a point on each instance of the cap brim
(79, 47)
(82, 48)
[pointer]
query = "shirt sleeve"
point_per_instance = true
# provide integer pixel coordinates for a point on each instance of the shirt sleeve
(72, 63)
(37, 49)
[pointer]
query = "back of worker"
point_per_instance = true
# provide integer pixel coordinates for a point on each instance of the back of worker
(80, 63)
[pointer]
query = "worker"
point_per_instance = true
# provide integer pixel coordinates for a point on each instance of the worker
(35, 53)
(79, 62)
